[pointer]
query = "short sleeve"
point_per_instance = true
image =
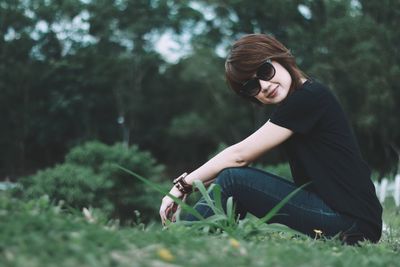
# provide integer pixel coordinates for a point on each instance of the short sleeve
(301, 110)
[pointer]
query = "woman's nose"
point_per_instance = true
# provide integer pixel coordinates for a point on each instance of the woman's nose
(264, 85)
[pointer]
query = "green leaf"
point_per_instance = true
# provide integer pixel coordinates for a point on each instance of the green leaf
(217, 196)
(230, 210)
(158, 188)
(198, 184)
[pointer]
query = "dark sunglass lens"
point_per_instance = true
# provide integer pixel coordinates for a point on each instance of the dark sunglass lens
(266, 71)
(251, 87)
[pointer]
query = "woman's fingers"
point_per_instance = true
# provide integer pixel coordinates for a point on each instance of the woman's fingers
(168, 210)
(165, 209)
(172, 212)
(176, 210)
(162, 217)
(163, 214)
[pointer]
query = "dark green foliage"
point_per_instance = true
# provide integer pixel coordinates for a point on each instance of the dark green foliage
(125, 193)
(61, 87)
(38, 234)
(77, 185)
(89, 177)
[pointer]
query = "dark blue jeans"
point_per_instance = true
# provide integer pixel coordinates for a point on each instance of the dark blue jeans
(257, 192)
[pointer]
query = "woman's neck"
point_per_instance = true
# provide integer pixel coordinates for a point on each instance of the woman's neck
(303, 80)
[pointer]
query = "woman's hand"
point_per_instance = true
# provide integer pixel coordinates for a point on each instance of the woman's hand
(168, 206)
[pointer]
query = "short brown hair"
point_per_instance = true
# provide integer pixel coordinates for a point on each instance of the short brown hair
(249, 52)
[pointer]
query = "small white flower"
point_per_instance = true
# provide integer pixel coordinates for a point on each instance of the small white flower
(88, 215)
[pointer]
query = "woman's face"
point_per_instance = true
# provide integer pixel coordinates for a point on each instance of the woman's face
(276, 89)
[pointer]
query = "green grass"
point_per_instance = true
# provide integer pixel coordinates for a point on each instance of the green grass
(39, 233)
(222, 221)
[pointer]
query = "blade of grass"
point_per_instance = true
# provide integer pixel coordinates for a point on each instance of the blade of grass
(206, 196)
(217, 196)
(283, 228)
(158, 188)
(230, 211)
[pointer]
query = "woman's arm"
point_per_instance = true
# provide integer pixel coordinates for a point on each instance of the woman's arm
(242, 153)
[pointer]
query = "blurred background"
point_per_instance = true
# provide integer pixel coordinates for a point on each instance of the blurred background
(149, 75)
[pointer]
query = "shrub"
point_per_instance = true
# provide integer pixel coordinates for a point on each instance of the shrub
(37, 233)
(100, 158)
(77, 185)
(89, 177)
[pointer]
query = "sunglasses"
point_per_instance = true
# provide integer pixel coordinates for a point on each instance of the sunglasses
(252, 87)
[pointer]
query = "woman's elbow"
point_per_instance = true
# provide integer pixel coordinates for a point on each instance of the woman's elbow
(240, 161)
(238, 158)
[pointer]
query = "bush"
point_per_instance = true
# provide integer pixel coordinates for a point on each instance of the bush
(101, 158)
(77, 185)
(90, 177)
(38, 233)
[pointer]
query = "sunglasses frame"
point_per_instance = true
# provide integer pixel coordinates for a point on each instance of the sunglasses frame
(260, 75)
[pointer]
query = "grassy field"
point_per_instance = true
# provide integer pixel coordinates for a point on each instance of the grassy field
(38, 233)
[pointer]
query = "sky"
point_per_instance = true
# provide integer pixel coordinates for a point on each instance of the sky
(171, 46)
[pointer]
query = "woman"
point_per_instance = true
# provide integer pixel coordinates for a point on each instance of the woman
(310, 124)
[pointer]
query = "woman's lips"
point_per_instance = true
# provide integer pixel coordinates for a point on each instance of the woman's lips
(273, 93)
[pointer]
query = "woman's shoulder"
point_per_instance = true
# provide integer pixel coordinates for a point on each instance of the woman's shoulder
(310, 91)
(314, 86)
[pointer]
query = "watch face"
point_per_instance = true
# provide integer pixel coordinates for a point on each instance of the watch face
(183, 175)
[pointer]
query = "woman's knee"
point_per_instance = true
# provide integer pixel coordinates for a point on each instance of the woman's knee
(228, 176)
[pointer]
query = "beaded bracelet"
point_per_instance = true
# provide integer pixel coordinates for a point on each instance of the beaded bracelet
(182, 185)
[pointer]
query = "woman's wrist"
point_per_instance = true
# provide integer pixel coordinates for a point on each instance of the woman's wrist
(181, 184)
(175, 192)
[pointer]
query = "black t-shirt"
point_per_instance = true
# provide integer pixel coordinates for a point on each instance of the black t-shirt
(323, 150)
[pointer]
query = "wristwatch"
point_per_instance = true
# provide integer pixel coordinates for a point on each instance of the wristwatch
(182, 185)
